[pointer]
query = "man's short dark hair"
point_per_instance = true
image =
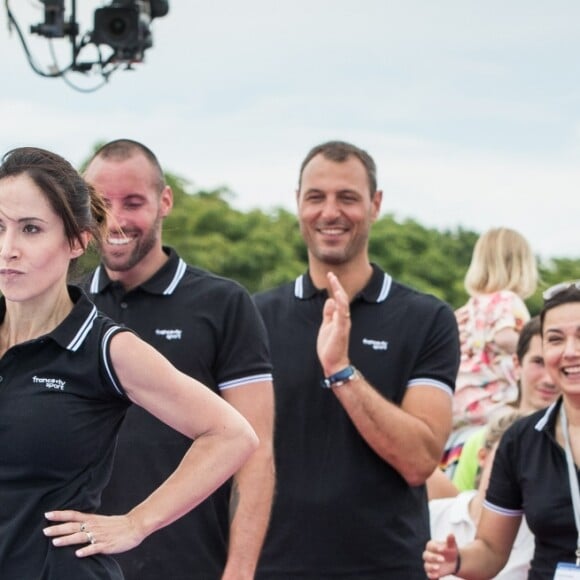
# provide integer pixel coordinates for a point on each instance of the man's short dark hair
(339, 152)
(122, 149)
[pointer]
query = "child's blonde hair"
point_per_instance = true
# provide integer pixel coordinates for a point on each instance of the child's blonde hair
(502, 260)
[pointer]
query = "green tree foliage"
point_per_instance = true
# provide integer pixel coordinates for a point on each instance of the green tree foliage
(426, 259)
(258, 250)
(263, 249)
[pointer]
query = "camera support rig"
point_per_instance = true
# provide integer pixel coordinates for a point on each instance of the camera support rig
(123, 26)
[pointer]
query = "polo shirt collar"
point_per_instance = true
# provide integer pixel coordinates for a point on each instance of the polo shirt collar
(164, 281)
(547, 421)
(377, 290)
(73, 330)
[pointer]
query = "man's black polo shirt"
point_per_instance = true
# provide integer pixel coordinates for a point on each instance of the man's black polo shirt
(210, 329)
(340, 511)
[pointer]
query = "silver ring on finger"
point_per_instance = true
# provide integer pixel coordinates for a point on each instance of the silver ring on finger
(90, 537)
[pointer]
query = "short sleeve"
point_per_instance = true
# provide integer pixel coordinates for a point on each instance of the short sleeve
(243, 346)
(110, 378)
(438, 358)
(504, 491)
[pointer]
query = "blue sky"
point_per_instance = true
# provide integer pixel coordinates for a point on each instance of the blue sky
(470, 109)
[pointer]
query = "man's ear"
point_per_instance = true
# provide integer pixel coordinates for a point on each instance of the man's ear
(166, 201)
(376, 204)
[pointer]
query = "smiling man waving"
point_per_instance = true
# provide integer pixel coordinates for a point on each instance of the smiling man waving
(364, 369)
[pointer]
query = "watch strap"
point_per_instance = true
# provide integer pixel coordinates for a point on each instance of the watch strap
(340, 378)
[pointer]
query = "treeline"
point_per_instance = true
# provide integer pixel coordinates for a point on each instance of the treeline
(263, 249)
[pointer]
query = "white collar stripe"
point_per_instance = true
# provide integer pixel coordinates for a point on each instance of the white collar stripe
(105, 352)
(94, 289)
(83, 331)
(545, 417)
(179, 272)
(386, 288)
(299, 287)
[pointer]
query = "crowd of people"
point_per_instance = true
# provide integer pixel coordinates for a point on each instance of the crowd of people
(158, 421)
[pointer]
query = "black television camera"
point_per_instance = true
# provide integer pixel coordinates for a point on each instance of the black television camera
(125, 27)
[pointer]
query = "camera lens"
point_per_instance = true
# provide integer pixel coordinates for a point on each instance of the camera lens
(117, 26)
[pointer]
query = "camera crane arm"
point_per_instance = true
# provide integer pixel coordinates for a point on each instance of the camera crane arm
(123, 26)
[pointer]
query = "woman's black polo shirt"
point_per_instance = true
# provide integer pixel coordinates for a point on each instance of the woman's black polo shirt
(530, 477)
(60, 410)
